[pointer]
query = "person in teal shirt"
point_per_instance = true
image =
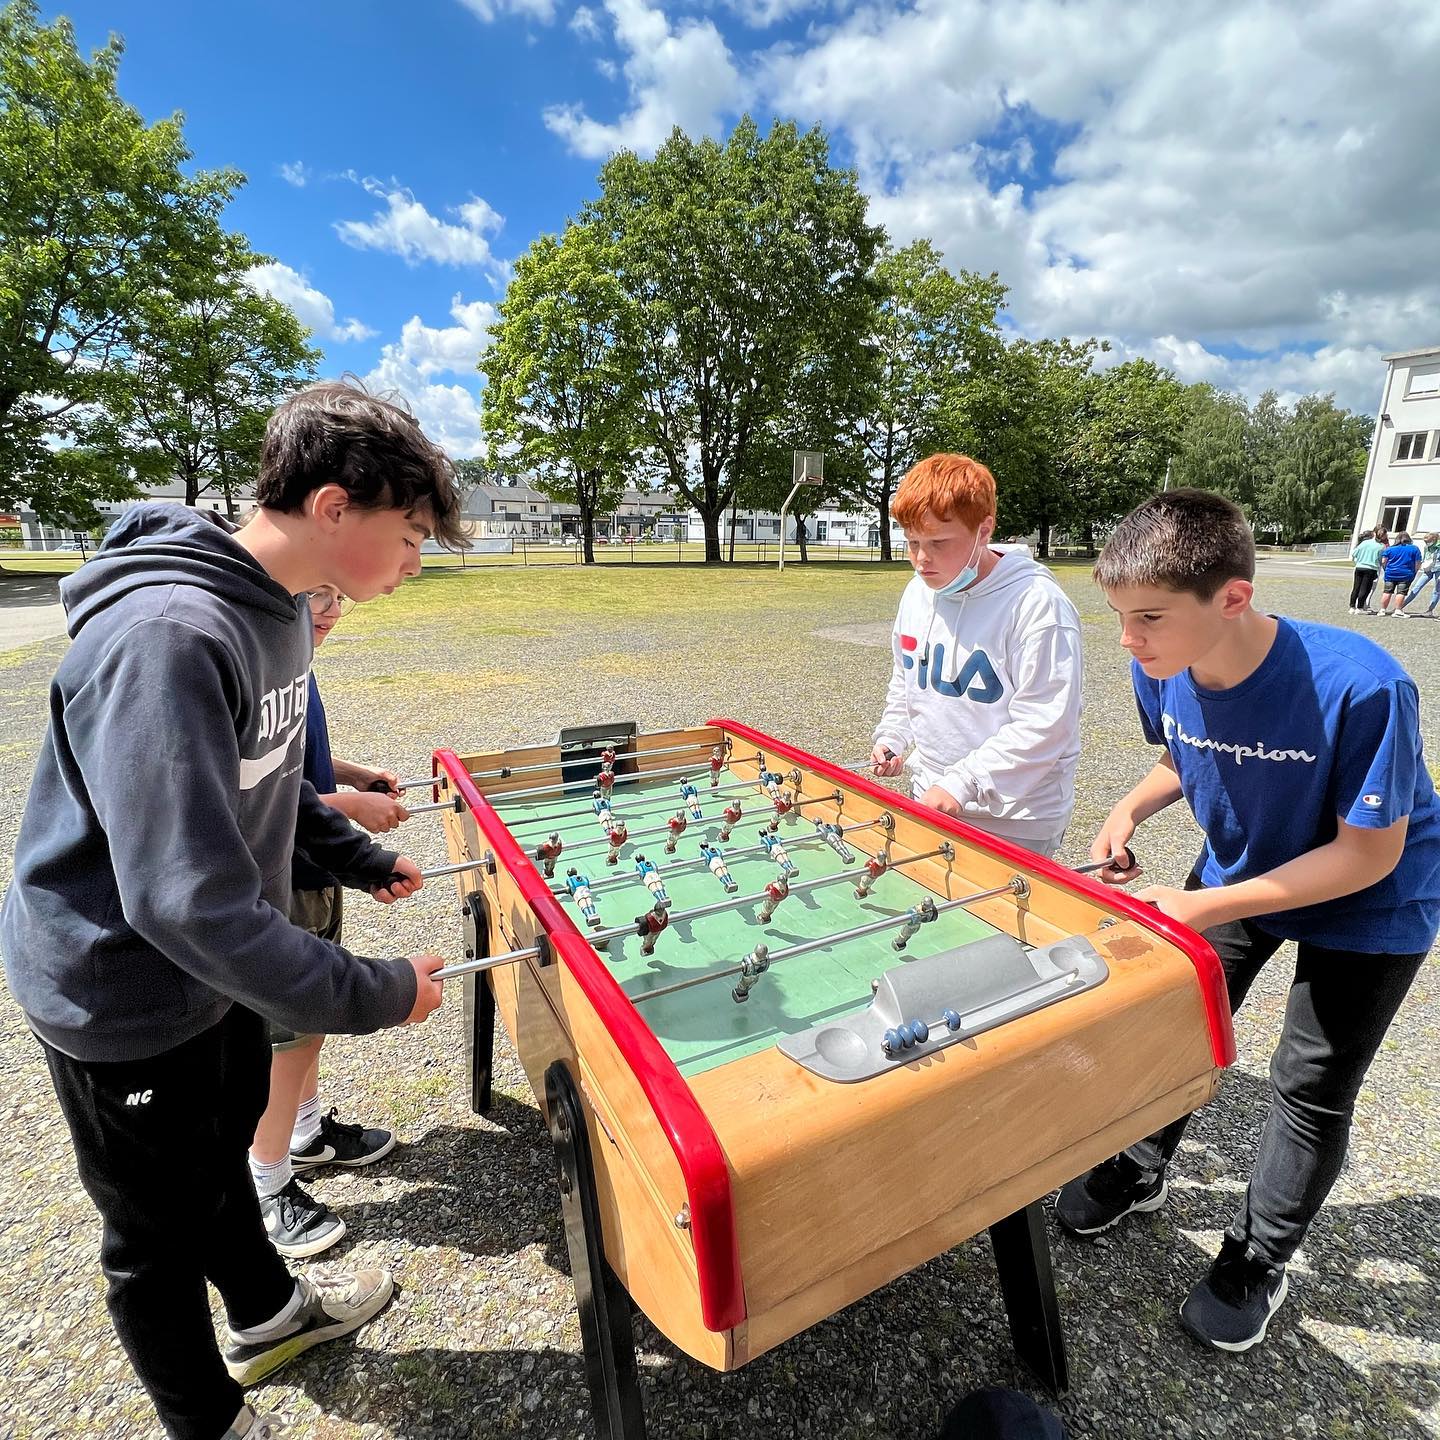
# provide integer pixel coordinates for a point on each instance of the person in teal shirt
(1366, 559)
(1429, 574)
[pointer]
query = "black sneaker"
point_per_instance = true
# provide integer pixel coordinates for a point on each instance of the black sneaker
(1231, 1307)
(298, 1224)
(330, 1306)
(1107, 1194)
(337, 1144)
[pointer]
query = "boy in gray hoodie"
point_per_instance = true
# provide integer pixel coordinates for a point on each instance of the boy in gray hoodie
(145, 934)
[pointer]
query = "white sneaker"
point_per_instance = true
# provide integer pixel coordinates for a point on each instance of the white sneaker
(1401, 615)
(330, 1306)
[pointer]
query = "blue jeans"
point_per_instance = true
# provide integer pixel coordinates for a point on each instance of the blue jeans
(1430, 577)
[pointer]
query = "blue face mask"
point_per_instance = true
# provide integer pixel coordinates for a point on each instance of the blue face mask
(966, 576)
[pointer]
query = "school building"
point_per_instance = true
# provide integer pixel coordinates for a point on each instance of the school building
(1402, 476)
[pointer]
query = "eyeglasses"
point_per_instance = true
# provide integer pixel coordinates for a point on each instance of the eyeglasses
(323, 601)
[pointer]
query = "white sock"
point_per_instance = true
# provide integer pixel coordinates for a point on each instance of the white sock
(307, 1123)
(271, 1179)
(277, 1323)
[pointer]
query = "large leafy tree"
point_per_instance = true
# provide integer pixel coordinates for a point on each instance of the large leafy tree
(1215, 447)
(934, 334)
(94, 212)
(207, 359)
(1317, 479)
(739, 261)
(562, 396)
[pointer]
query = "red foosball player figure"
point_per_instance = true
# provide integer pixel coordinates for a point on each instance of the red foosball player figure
(547, 852)
(648, 927)
(717, 764)
(618, 834)
(875, 867)
(776, 891)
(729, 819)
(676, 824)
(607, 759)
(606, 781)
(921, 914)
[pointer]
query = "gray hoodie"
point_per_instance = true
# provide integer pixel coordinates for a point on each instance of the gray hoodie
(152, 872)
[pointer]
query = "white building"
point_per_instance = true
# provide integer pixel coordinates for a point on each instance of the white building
(1402, 475)
(39, 536)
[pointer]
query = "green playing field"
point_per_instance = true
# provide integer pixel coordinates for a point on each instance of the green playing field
(703, 1026)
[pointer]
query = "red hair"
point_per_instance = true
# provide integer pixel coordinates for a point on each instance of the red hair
(944, 487)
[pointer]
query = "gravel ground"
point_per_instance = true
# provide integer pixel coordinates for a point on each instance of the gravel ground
(483, 1338)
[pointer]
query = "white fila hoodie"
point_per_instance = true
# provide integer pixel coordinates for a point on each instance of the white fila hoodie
(987, 690)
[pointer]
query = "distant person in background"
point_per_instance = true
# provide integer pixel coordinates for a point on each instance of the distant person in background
(1366, 559)
(1429, 573)
(1398, 563)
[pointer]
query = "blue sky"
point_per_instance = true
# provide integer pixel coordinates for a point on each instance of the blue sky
(1247, 198)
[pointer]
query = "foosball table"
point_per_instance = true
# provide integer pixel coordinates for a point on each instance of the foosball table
(794, 1034)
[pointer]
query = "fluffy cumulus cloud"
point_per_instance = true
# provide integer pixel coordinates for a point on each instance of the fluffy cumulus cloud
(407, 229)
(488, 10)
(411, 365)
(1226, 178)
(296, 173)
(314, 308)
(677, 73)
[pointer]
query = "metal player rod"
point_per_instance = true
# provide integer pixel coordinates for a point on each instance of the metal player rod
(601, 938)
(547, 823)
(631, 779)
(629, 875)
(504, 772)
(856, 933)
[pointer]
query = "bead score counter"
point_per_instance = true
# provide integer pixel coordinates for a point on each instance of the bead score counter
(794, 1034)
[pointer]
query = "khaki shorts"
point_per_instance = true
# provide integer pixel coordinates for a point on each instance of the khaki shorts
(321, 913)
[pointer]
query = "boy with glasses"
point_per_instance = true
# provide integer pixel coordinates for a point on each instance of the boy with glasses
(292, 1134)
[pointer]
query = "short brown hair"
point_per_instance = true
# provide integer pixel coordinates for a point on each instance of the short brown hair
(1185, 540)
(944, 487)
(337, 433)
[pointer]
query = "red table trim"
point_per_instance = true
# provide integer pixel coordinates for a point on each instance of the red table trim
(697, 1149)
(1197, 950)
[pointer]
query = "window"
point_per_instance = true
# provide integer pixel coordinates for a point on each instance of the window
(1410, 446)
(534, 509)
(1424, 381)
(820, 529)
(1395, 515)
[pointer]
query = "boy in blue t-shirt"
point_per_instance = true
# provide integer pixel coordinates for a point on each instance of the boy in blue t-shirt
(1297, 747)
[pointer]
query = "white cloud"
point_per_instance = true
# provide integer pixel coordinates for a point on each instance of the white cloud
(407, 229)
(488, 10)
(1217, 176)
(450, 413)
(296, 173)
(314, 308)
(677, 74)
(761, 14)
(584, 23)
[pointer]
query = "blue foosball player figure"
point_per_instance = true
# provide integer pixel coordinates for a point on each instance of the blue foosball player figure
(833, 836)
(600, 804)
(779, 854)
(649, 872)
(714, 857)
(690, 796)
(579, 887)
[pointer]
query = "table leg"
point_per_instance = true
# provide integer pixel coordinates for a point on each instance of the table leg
(479, 1007)
(1022, 1259)
(605, 1327)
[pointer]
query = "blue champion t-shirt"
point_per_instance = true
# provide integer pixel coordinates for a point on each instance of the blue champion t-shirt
(320, 772)
(1327, 726)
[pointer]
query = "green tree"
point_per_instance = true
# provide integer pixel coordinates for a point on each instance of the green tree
(561, 398)
(94, 211)
(206, 361)
(1215, 446)
(739, 261)
(1317, 479)
(934, 334)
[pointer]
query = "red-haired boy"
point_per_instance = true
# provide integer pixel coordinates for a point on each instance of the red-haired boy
(984, 700)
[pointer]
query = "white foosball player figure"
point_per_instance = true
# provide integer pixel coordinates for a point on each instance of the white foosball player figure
(752, 967)
(690, 796)
(714, 857)
(649, 872)
(547, 852)
(649, 925)
(776, 891)
(875, 867)
(921, 914)
(729, 819)
(617, 835)
(579, 887)
(676, 825)
(778, 853)
(833, 836)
